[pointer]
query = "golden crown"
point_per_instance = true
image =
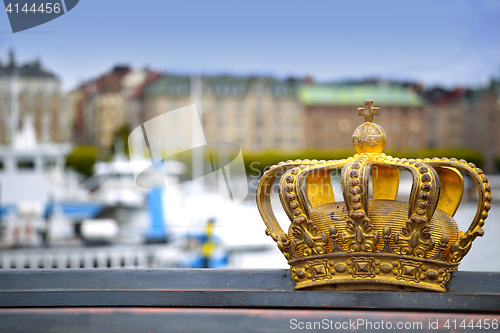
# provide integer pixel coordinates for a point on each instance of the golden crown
(379, 243)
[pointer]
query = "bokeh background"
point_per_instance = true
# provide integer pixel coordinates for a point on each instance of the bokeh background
(281, 79)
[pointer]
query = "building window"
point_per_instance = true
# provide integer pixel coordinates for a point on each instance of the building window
(415, 126)
(258, 89)
(280, 89)
(238, 122)
(49, 164)
(258, 106)
(173, 106)
(258, 141)
(240, 107)
(205, 107)
(220, 122)
(396, 126)
(258, 122)
(178, 89)
(46, 122)
(241, 89)
(25, 164)
(414, 113)
(219, 107)
(414, 141)
(344, 125)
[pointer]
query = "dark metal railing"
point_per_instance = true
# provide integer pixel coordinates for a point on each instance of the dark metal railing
(217, 299)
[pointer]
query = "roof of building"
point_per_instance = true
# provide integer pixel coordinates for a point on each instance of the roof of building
(169, 85)
(228, 85)
(353, 94)
(441, 96)
(220, 85)
(30, 69)
(151, 77)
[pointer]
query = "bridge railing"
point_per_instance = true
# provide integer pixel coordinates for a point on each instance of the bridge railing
(222, 300)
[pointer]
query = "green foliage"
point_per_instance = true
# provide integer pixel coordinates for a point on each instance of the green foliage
(120, 138)
(497, 163)
(257, 162)
(470, 155)
(82, 159)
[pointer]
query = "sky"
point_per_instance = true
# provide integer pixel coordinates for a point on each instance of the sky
(448, 42)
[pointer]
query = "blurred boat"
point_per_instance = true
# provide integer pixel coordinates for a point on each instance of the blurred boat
(138, 212)
(34, 184)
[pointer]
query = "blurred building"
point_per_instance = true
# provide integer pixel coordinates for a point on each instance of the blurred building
(105, 104)
(133, 85)
(264, 113)
(464, 118)
(481, 124)
(30, 91)
(257, 113)
(330, 115)
(100, 108)
(446, 117)
(168, 93)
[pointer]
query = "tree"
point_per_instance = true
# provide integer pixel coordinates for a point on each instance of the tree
(121, 137)
(82, 160)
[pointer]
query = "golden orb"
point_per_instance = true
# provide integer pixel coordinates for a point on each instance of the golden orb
(369, 138)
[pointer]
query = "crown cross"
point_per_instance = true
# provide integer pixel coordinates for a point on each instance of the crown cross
(369, 111)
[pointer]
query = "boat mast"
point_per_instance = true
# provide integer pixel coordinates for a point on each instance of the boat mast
(14, 102)
(197, 154)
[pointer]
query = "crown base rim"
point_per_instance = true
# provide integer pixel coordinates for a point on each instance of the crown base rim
(377, 255)
(373, 285)
(370, 271)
